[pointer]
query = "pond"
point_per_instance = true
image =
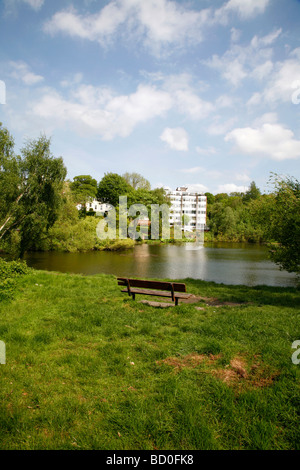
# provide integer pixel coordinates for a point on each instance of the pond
(226, 263)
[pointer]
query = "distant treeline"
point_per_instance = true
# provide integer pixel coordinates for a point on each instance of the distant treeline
(38, 207)
(236, 216)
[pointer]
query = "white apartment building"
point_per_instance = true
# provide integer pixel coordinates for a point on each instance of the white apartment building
(192, 205)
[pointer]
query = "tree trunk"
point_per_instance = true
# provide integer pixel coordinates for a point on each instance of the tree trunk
(9, 217)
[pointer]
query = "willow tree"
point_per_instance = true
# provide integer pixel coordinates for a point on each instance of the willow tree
(30, 189)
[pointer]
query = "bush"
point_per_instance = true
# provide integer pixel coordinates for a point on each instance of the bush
(9, 272)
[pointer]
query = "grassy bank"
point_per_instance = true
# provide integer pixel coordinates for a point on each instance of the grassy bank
(88, 368)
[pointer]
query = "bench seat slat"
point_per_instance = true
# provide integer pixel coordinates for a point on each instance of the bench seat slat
(160, 285)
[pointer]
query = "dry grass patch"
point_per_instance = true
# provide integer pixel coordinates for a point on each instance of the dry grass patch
(189, 361)
(237, 373)
(240, 372)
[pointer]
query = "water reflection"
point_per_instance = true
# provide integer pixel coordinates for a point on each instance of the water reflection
(222, 263)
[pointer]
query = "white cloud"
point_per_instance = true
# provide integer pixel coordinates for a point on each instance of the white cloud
(157, 23)
(266, 40)
(219, 126)
(166, 22)
(35, 4)
(98, 27)
(270, 140)
(206, 151)
(231, 188)
(21, 71)
(242, 177)
(224, 101)
(255, 99)
(280, 86)
(244, 8)
(196, 188)
(185, 97)
(100, 112)
(231, 68)
(280, 83)
(267, 118)
(189, 103)
(176, 138)
(235, 34)
(240, 62)
(205, 173)
(11, 5)
(263, 70)
(74, 80)
(195, 169)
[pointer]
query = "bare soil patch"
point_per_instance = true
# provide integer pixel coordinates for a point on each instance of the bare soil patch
(239, 373)
(209, 302)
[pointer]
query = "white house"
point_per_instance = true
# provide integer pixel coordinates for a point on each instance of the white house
(192, 205)
(99, 207)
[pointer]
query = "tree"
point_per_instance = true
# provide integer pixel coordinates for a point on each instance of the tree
(148, 197)
(30, 189)
(252, 193)
(210, 198)
(137, 181)
(84, 189)
(221, 197)
(111, 187)
(10, 175)
(280, 214)
(160, 196)
(222, 220)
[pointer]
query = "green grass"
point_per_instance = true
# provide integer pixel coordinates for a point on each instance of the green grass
(88, 368)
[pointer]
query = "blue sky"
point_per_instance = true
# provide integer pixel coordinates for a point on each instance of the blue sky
(199, 93)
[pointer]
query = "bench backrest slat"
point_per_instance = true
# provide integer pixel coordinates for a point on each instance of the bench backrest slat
(159, 285)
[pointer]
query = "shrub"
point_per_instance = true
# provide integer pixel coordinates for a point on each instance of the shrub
(9, 272)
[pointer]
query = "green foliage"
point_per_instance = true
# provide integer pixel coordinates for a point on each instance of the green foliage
(254, 217)
(9, 272)
(149, 197)
(79, 235)
(111, 187)
(223, 220)
(210, 198)
(137, 181)
(73, 235)
(84, 188)
(30, 189)
(232, 217)
(9, 173)
(115, 245)
(280, 215)
(252, 193)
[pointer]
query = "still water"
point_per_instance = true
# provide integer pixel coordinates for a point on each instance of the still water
(226, 263)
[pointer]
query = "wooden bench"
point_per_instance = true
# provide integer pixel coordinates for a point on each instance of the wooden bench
(172, 290)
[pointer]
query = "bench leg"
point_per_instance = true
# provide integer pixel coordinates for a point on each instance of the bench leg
(176, 300)
(133, 296)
